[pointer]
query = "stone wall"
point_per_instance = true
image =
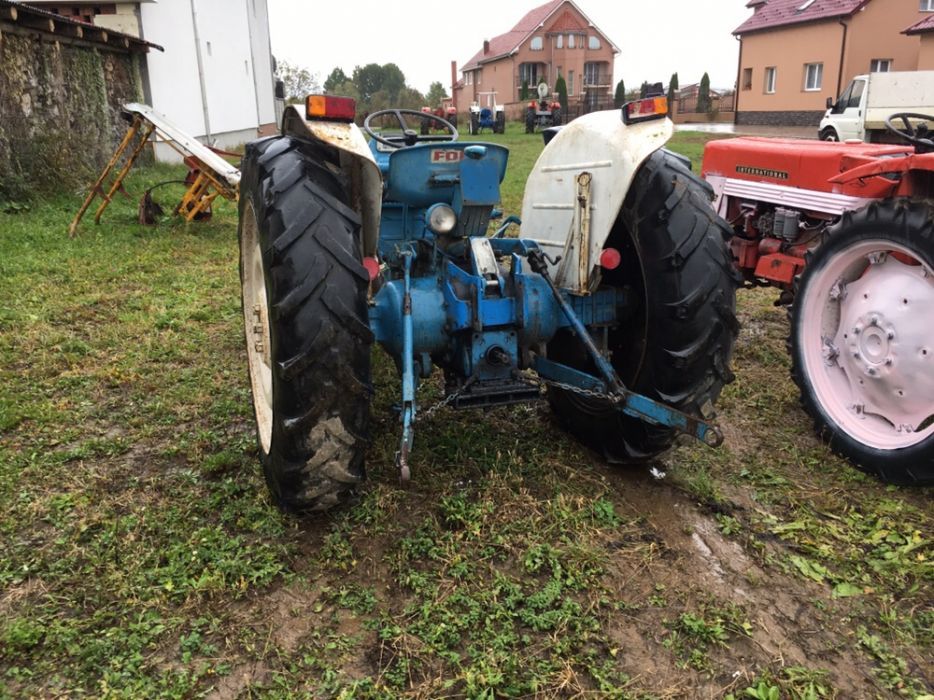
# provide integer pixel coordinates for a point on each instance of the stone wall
(59, 111)
(804, 118)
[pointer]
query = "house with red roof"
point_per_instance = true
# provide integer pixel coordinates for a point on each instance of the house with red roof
(554, 39)
(924, 30)
(794, 54)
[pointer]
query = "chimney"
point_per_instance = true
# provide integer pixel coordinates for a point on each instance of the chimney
(486, 46)
(454, 84)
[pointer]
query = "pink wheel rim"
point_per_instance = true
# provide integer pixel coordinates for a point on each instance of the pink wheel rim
(866, 335)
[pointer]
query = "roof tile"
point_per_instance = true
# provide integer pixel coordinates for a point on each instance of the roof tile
(923, 26)
(780, 13)
(504, 43)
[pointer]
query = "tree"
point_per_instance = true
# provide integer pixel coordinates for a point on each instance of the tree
(619, 97)
(703, 94)
(561, 88)
(337, 77)
(393, 80)
(644, 90)
(524, 93)
(436, 93)
(373, 78)
(299, 82)
(672, 92)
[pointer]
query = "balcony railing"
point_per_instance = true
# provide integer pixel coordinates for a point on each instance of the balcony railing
(598, 80)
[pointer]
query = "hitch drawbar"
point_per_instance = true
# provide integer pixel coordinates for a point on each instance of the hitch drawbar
(632, 404)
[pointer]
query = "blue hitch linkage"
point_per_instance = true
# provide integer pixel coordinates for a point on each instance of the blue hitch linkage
(408, 372)
(630, 403)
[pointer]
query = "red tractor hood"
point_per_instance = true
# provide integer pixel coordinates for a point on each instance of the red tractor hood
(800, 163)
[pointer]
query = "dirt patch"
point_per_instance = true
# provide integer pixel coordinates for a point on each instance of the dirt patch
(695, 567)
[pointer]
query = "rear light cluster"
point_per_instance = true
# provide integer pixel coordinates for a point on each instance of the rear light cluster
(338, 109)
(643, 110)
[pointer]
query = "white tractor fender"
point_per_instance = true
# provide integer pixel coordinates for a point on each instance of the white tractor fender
(355, 159)
(553, 214)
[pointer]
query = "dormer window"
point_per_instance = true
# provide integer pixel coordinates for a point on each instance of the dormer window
(536, 44)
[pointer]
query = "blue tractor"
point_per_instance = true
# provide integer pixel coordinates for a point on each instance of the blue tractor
(616, 303)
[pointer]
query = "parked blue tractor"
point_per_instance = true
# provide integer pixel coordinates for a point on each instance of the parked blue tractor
(617, 301)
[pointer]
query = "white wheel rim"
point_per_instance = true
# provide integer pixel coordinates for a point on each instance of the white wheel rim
(256, 326)
(866, 332)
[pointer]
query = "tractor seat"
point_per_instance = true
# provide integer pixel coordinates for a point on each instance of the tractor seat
(428, 173)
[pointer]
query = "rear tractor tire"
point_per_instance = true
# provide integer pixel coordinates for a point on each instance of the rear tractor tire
(862, 340)
(308, 340)
(677, 342)
(530, 121)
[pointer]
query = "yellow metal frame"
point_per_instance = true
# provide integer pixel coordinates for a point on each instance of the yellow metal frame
(197, 198)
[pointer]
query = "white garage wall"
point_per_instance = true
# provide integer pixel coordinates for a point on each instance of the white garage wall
(232, 95)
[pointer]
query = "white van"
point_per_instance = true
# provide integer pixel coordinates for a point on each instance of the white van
(860, 112)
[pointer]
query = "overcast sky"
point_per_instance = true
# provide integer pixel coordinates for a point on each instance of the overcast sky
(422, 38)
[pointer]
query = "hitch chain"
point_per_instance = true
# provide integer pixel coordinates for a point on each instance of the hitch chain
(434, 408)
(589, 393)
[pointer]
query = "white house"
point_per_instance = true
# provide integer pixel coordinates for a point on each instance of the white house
(215, 78)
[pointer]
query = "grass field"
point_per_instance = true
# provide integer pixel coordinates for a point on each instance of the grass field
(141, 556)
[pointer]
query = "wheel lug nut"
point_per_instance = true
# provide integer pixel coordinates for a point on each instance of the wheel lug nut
(872, 372)
(889, 362)
(890, 335)
(874, 321)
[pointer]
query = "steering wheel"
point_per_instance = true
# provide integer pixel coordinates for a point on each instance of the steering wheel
(917, 135)
(409, 136)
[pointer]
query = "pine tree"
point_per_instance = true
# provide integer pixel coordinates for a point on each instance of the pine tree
(672, 92)
(561, 88)
(619, 97)
(703, 94)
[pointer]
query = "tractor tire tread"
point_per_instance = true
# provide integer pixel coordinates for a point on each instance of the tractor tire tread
(691, 324)
(316, 290)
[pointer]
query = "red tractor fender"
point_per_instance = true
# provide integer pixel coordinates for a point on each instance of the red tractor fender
(914, 162)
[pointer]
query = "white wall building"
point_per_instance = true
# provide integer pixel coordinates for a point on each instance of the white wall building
(215, 78)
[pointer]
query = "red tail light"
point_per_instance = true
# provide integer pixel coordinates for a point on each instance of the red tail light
(643, 110)
(339, 109)
(610, 259)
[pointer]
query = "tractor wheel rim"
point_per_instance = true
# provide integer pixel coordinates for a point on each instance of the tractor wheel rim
(868, 343)
(256, 327)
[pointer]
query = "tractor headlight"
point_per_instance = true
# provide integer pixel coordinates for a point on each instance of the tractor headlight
(441, 218)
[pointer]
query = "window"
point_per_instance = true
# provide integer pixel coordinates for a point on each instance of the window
(880, 65)
(856, 92)
(537, 44)
(570, 82)
(593, 43)
(531, 73)
(595, 74)
(571, 38)
(479, 75)
(747, 78)
(770, 75)
(813, 76)
(468, 77)
(927, 5)
(559, 42)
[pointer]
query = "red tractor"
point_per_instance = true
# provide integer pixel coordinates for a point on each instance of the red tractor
(846, 232)
(446, 111)
(543, 112)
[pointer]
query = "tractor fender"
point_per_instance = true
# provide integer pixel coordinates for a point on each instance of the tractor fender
(356, 161)
(598, 143)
